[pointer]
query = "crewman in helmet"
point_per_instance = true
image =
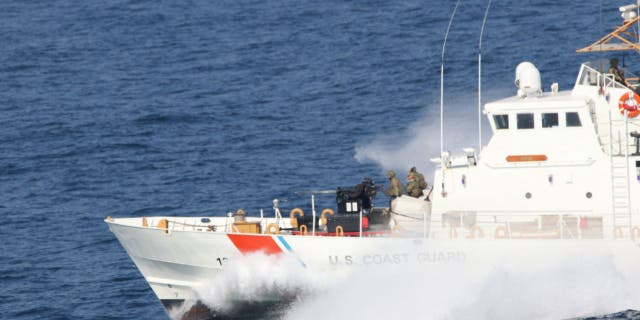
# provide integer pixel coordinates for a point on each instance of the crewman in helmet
(395, 186)
(419, 178)
(617, 73)
(413, 189)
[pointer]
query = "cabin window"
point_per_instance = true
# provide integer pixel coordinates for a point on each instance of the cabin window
(525, 120)
(501, 121)
(573, 119)
(549, 120)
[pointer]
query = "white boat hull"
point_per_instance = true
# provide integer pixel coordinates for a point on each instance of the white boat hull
(181, 265)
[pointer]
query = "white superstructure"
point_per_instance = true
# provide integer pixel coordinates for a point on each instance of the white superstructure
(562, 153)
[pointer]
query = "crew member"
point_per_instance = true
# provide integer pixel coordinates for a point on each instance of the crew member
(413, 188)
(239, 216)
(395, 186)
(419, 178)
(613, 69)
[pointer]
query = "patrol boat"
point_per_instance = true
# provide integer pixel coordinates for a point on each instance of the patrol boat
(560, 175)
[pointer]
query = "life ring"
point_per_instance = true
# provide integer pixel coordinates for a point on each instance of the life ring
(475, 230)
(635, 233)
(163, 224)
(294, 220)
(339, 231)
(323, 216)
(303, 230)
(501, 232)
(633, 108)
(273, 228)
(617, 233)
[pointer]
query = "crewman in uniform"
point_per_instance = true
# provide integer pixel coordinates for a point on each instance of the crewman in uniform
(395, 186)
(413, 188)
(613, 69)
(419, 178)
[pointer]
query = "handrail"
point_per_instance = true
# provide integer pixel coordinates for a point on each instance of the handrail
(591, 76)
(570, 224)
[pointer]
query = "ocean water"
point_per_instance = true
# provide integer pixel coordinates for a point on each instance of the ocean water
(129, 108)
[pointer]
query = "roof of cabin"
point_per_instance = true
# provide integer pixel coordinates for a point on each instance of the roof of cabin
(545, 101)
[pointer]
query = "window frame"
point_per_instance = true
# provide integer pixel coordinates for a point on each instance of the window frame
(532, 118)
(542, 120)
(566, 119)
(495, 122)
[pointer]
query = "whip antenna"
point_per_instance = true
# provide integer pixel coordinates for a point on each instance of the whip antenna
(444, 45)
(484, 21)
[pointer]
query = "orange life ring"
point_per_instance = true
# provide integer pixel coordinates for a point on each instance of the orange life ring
(294, 220)
(629, 103)
(339, 231)
(475, 230)
(303, 230)
(163, 224)
(273, 228)
(323, 216)
(617, 233)
(501, 232)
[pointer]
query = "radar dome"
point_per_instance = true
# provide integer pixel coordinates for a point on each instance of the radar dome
(528, 80)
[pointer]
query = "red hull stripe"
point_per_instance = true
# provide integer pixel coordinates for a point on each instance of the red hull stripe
(252, 243)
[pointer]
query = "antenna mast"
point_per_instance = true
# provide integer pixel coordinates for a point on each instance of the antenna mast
(444, 44)
(484, 21)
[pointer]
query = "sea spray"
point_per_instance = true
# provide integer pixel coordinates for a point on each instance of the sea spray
(517, 279)
(531, 280)
(259, 278)
(420, 141)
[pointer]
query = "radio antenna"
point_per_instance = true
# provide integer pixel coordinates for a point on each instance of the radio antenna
(484, 21)
(444, 44)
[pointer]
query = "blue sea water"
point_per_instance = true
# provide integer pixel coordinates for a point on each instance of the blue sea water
(195, 107)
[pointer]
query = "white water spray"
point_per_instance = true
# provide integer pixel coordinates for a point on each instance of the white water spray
(419, 142)
(541, 284)
(497, 280)
(260, 278)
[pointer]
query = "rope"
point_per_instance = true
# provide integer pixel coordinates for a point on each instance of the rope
(404, 215)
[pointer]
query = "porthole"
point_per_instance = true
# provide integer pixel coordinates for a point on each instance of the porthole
(589, 195)
(527, 195)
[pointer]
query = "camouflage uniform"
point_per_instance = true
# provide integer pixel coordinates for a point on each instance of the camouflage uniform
(613, 69)
(395, 186)
(419, 178)
(413, 189)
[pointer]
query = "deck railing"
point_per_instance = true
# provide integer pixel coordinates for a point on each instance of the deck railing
(594, 74)
(569, 225)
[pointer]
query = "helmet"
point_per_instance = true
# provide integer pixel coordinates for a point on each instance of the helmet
(390, 174)
(413, 169)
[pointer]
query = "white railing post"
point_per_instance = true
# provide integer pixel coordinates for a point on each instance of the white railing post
(360, 221)
(313, 213)
(626, 160)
